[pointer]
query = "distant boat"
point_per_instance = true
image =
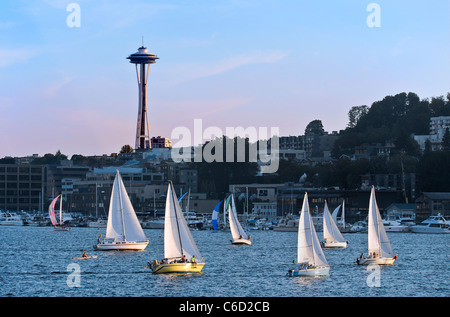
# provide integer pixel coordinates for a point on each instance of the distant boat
(99, 223)
(215, 216)
(10, 219)
(123, 231)
(181, 254)
(340, 222)
(287, 224)
(379, 248)
(237, 232)
(434, 224)
(311, 260)
(394, 225)
(59, 226)
(333, 237)
(154, 224)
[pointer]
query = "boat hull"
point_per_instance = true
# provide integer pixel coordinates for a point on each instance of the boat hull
(317, 271)
(177, 268)
(379, 261)
(334, 245)
(242, 241)
(61, 228)
(425, 229)
(121, 246)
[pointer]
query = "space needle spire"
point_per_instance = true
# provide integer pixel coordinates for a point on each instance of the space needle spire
(142, 59)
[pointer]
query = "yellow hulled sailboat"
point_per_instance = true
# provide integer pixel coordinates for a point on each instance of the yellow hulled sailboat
(181, 254)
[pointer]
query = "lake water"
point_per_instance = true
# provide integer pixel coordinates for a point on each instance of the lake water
(37, 262)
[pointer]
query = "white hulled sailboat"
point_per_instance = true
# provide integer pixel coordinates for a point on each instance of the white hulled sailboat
(181, 254)
(333, 237)
(123, 231)
(379, 248)
(311, 260)
(237, 232)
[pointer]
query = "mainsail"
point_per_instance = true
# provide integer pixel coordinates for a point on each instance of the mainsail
(330, 230)
(308, 247)
(378, 239)
(178, 240)
(123, 225)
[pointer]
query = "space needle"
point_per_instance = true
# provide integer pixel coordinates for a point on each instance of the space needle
(142, 59)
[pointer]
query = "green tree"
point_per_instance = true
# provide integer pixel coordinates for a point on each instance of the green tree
(355, 114)
(126, 149)
(315, 127)
(446, 140)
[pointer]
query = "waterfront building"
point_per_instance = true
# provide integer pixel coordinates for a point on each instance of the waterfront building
(21, 187)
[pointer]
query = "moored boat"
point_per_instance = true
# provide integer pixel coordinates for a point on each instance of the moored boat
(434, 224)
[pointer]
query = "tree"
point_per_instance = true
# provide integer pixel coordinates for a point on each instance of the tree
(315, 127)
(356, 113)
(126, 149)
(446, 140)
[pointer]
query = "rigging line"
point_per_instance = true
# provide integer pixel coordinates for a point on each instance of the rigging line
(176, 217)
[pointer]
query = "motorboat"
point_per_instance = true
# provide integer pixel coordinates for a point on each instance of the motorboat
(10, 219)
(434, 224)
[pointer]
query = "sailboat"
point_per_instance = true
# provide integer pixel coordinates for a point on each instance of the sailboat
(333, 237)
(237, 232)
(181, 254)
(215, 216)
(123, 230)
(59, 226)
(311, 260)
(379, 248)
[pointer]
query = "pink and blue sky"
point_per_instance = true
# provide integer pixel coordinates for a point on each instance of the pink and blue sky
(259, 63)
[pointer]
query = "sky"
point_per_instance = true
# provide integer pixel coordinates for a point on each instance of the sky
(230, 63)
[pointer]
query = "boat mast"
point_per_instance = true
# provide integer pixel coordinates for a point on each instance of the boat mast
(121, 208)
(60, 210)
(310, 232)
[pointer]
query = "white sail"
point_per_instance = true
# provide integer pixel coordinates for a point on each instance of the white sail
(237, 232)
(335, 212)
(178, 240)
(378, 239)
(308, 247)
(123, 225)
(330, 230)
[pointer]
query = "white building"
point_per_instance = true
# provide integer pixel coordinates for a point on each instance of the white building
(438, 125)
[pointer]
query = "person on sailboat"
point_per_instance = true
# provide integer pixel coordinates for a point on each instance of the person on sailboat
(84, 254)
(183, 259)
(193, 261)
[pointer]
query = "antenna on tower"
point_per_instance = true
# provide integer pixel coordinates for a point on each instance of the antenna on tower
(142, 41)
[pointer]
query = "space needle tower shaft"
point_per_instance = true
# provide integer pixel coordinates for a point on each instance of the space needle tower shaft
(142, 59)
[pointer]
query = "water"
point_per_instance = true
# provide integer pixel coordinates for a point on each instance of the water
(36, 261)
